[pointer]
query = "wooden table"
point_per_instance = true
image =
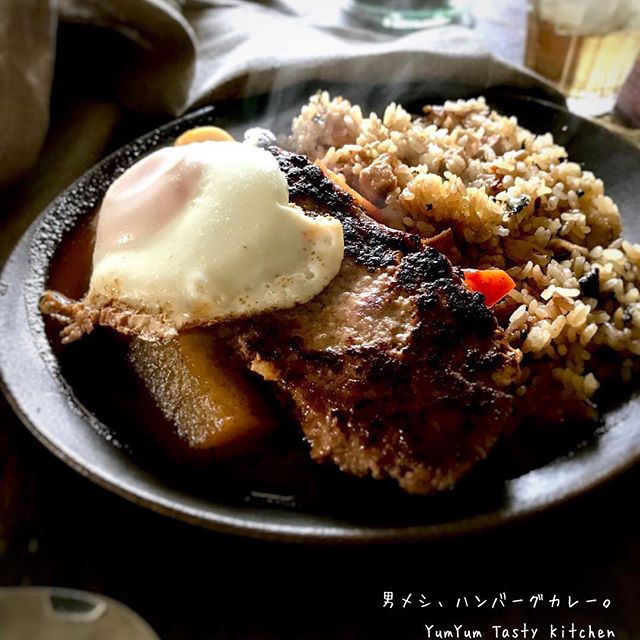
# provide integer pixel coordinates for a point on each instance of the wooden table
(56, 528)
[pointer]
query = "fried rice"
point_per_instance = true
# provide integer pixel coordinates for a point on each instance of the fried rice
(514, 201)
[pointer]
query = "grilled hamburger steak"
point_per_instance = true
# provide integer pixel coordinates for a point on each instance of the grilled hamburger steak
(396, 369)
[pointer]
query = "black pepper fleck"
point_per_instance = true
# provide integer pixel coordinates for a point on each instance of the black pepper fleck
(590, 284)
(517, 204)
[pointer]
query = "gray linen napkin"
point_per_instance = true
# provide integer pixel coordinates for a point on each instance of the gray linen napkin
(252, 49)
(27, 46)
(189, 52)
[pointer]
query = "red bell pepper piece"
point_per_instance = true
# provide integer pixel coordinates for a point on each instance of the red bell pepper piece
(493, 283)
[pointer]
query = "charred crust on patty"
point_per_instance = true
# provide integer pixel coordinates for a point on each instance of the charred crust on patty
(306, 181)
(467, 308)
(416, 269)
(366, 241)
(477, 361)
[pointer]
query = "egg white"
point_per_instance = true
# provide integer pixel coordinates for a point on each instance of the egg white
(231, 246)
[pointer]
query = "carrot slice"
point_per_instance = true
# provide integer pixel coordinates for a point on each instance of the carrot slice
(493, 283)
(203, 134)
(368, 206)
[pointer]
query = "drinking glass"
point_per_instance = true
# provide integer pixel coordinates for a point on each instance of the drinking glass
(586, 47)
(402, 15)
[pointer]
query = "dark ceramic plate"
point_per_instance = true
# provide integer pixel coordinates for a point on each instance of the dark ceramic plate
(77, 401)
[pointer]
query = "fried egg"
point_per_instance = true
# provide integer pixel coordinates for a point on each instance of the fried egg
(204, 232)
